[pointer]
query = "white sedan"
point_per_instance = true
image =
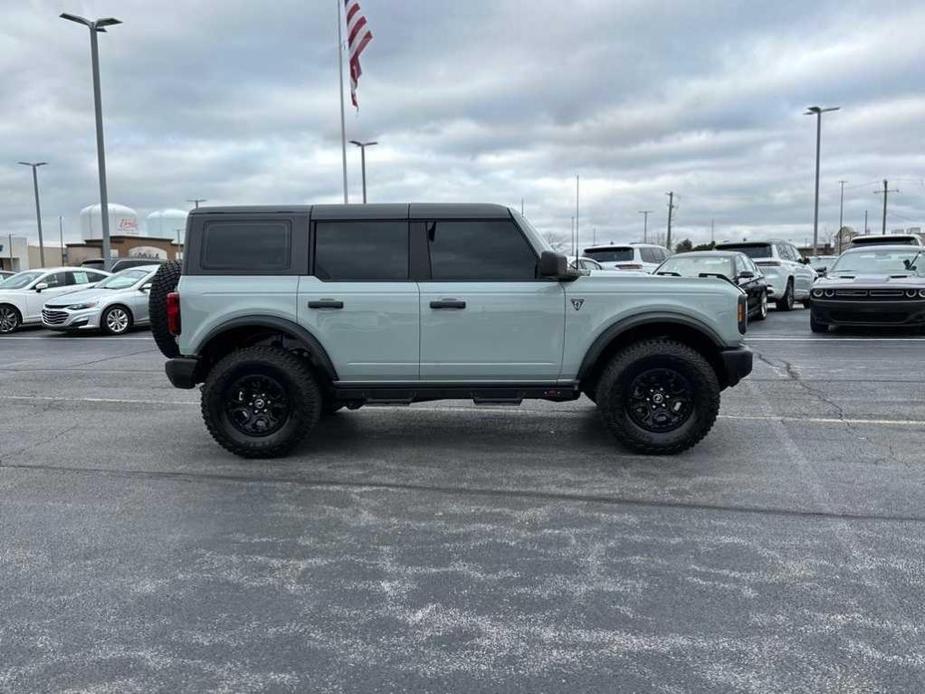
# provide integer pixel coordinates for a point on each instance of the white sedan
(23, 294)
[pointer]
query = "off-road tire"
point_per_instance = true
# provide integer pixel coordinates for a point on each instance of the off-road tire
(104, 320)
(817, 326)
(165, 281)
(785, 303)
(763, 310)
(14, 319)
(298, 381)
(613, 391)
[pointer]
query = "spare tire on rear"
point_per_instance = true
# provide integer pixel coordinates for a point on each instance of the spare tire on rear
(165, 281)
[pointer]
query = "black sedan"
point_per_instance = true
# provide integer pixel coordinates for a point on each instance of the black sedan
(871, 286)
(732, 266)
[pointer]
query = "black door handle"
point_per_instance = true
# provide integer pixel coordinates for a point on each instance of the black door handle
(448, 303)
(326, 303)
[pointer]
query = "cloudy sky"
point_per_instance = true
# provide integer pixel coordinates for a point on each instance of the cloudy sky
(485, 100)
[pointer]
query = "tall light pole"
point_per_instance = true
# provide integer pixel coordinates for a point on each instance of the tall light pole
(196, 201)
(363, 146)
(671, 207)
(96, 26)
(38, 207)
(645, 224)
(817, 111)
(61, 239)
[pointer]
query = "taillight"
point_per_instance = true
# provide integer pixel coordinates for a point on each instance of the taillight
(173, 313)
(631, 266)
(742, 314)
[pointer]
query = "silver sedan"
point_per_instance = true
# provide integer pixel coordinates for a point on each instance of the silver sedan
(114, 305)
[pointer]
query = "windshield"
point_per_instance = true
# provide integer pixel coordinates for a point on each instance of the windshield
(610, 255)
(874, 261)
(20, 281)
(692, 266)
(752, 250)
(123, 280)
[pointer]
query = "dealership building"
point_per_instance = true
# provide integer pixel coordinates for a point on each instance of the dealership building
(159, 238)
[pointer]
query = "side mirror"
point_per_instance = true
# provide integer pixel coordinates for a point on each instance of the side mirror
(804, 260)
(40, 287)
(821, 271)
(746, 275)
(554, 265)
(145, 288)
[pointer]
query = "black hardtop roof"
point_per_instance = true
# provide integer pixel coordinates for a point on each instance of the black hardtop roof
(414, 210)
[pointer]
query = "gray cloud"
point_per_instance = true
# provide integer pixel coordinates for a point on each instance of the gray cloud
(237, 102)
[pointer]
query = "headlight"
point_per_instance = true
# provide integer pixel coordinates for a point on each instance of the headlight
(829, 293)
(78, 307)
(910, 293)
(817, 293)
(922, 293)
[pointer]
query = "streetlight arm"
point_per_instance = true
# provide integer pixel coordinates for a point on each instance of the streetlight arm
(75, 18)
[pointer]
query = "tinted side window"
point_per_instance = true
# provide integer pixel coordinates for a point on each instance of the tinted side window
(356, 251)
(242, 246)
(58, 279)
(487, 249)
(650, 255)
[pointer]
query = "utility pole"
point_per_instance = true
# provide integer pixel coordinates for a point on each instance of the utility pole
(671, 207)
(866, 230)
(571, 232)
(817, 111)
(841, 207)
(521, 207)
(645, 224)
(712, 236)
(885, 193)
(61, 239)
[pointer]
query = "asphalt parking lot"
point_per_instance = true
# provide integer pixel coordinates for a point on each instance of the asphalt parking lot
(448, 546)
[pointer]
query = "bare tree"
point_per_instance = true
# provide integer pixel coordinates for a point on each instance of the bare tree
(555, 241)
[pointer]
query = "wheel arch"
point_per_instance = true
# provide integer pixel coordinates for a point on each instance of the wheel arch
(684, 329)
(246, 331)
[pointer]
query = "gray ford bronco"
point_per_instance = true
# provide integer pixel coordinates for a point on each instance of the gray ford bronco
(287, 314)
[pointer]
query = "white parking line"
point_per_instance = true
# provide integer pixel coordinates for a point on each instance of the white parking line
(831, 340)
(483, 408)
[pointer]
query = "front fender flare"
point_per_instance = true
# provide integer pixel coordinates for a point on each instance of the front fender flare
(614, 330)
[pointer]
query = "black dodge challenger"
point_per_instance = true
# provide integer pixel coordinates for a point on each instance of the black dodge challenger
(871, 286)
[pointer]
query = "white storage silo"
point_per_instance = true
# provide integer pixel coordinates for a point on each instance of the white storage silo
(123, 221)
(164, 224)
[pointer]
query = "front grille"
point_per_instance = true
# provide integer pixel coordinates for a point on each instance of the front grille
(882, 317)
(874, 295)
(53, 317)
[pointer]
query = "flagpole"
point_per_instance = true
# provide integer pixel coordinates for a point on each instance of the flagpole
(340, 66)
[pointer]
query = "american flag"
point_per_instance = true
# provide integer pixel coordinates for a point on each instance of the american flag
(358, 35)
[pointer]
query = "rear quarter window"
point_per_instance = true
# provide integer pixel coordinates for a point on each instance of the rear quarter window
(240, 246)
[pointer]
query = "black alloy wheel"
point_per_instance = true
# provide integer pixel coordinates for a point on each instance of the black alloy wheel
(660, 400)
(256, 405)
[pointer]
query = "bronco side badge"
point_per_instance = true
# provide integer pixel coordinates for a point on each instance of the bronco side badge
(577, 303)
